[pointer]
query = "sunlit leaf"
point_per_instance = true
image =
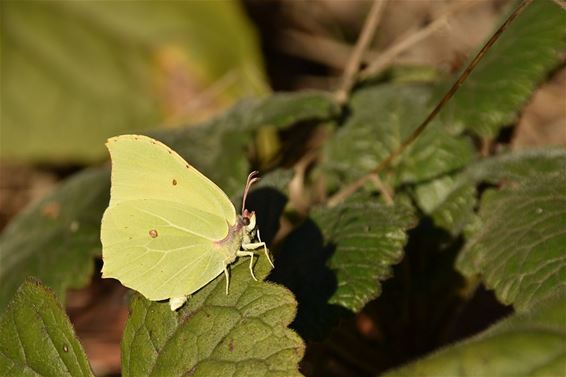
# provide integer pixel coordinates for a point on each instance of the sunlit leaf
(451, 200)
(334, 262)
(243, 333)
(382, 117)
(519, 250)
(507, 75)
(366, 240)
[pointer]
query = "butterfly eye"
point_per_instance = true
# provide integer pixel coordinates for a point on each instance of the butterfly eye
(246, 221)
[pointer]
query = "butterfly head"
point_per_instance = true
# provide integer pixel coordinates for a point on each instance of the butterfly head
(248, 220)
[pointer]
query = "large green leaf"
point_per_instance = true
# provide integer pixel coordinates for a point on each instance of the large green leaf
(519, 250)
(526, 344)
(55, 239)
(36, 337)
(334, 262)
(381, 118)
(77, 72)
(243, 333)
(451, 199)
(506, 77)
(367, 239)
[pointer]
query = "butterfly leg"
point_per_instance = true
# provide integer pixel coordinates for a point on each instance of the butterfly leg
(227, 274)
(243, 253)
(257, 245)
(265, 249)
(176, 302)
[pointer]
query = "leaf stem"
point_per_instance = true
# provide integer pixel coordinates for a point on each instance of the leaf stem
(341, 195)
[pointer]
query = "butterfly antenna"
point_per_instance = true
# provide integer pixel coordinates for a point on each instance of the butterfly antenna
(252, 178)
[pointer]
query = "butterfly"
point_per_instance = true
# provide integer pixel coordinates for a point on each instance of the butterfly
(168, 229)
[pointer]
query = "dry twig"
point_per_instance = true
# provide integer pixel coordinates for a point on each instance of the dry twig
(383, 189)
(350, 73)
(316, 48)
(387, 57)
(561, 3)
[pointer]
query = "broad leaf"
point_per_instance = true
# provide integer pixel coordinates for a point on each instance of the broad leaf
(75, 73)
(334, 262)
(243, 333)
(367, 240)
(382, 117)
(451, 203)
(285, 109)
(506, 77)
(517, 166)
(36, 337)
(519, 250)
(526, 344)
(451, 200)
(55, 239)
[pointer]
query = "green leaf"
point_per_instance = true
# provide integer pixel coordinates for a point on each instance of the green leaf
(285, 109)
(451, 199)
(519, 250)
(450, 203)
(55, 239)
(36, 337)
(243, 333)
(507, 75)
(334, 261)
(526, 344)
(367, 240)
(517, 166)
(76, 73)
(382, 117)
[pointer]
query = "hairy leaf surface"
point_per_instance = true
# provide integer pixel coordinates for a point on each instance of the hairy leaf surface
(243, 333)
(36, 337)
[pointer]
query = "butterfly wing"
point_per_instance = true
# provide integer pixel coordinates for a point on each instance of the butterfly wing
(144, 168)
(158, 233)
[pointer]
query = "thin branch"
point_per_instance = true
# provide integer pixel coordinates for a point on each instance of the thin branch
(561, 3)
(370, 25)
(384, 190)
(353, 187)
(387, 57)
(315, 48)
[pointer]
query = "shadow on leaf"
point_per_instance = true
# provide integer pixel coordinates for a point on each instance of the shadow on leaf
(302, 267)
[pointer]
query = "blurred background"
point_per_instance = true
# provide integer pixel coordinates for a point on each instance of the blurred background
(74, 73)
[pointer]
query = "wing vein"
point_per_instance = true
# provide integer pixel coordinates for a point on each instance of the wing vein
(174, 225)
